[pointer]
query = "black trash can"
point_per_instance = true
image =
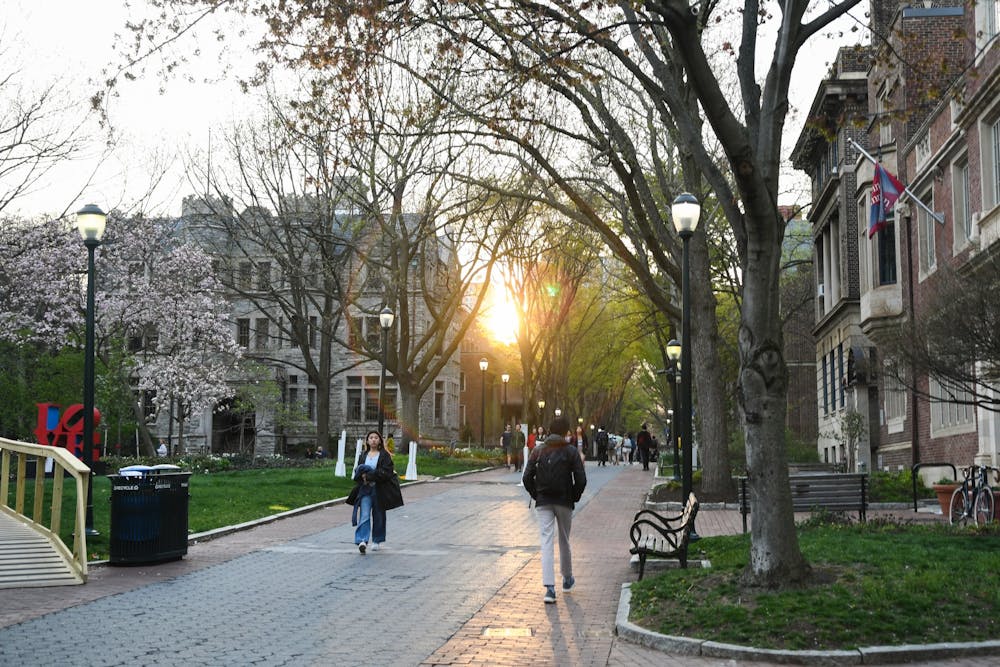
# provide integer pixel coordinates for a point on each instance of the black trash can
(149, 514)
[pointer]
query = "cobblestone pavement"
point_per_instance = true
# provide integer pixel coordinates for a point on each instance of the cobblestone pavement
(458, 582)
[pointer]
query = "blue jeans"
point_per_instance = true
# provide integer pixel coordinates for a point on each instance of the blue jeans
(371, 520)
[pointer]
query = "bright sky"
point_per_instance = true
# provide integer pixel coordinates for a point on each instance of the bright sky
(68, 42)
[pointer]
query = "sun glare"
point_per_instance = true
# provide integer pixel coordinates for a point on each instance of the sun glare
(499, 317)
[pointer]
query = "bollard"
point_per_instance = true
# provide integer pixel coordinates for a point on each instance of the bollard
(411, 464)
(357, 455)
(340, 471)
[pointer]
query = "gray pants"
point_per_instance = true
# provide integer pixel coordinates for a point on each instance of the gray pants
(553, 519)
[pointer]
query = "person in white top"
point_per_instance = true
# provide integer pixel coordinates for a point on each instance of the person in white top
(376, 490)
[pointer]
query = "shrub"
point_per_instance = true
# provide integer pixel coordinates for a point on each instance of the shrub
(895, 487)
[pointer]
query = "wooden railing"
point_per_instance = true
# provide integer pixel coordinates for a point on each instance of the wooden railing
(17, 454)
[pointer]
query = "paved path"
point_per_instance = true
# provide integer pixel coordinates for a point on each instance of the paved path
(457, 583)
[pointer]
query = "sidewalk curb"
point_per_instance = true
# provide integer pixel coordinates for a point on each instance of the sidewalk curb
(868, 655)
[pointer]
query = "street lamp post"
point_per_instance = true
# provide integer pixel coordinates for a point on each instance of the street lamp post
(541, 413)
(674, 355)
(685, 212)
(385, 319)
(505, 378)
(483, 365)
(558, 412)
(90, 222)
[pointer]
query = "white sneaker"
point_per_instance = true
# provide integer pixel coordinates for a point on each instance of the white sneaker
(375, 546)
(362, 547)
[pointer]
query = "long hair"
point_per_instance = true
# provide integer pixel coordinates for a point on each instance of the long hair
(381, 442)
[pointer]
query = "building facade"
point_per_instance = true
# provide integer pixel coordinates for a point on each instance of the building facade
(286, 318)
(933, 119)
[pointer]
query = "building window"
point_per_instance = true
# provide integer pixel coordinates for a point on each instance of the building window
(840, 374)
(311, 404)
(960, 200)
(362, 398)
(895, 400)
(885, 252)
(439, 403)
(925, 232)
(995, 142)
(826, 395)
(293, 399)
(987, 23)
(264, 276)
(246, 275)
(883, 108)
(243, 332)
(833, 380)
(373, 333)
(262, 330)
(461, 381)
(354, 399)
(952, 408)
(313, 322)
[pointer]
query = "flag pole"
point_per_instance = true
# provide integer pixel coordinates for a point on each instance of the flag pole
(906, 190)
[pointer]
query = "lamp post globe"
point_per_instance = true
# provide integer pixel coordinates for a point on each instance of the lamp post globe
(385, 319)
(685, 212)
(483, 365)
(91, 222)
(541, 413)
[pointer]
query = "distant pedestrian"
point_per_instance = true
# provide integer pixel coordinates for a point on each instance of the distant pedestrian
(628, 448)
(505, 439)
(162, 449)
(517, 446)
(376, 490)
(580, 440)
(390, 444)
(602, 446)
(555, 478)
(644, 443)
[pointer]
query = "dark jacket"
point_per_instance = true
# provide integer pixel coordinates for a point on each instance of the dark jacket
(565, 460)
(387, 489)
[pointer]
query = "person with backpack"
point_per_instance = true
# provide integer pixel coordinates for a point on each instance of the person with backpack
(602, 446)
(644, 443)
(555, 478)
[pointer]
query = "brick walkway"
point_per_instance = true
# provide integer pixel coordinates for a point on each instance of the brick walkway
(459, 583)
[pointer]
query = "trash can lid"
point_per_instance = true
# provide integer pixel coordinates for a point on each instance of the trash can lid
(134, 471)
(143, 470)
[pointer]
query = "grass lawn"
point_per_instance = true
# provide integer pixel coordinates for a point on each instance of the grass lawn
(880, 583)
(226, 498)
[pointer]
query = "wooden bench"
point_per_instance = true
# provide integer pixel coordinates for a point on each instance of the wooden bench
(655, 535)
(844, 492)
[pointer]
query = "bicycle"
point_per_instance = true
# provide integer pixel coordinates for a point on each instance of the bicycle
(973, 499)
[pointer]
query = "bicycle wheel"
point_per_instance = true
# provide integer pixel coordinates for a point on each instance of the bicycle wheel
(982, 509)
(956, 509)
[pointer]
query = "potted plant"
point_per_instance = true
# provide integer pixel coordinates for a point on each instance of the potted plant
(944, 488)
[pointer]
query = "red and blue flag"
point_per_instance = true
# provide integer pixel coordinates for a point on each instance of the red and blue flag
(886, 189)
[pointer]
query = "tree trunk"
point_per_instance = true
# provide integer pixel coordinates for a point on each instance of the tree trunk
(711, 415)
(145, 439)
(408, 406)
(775, 557)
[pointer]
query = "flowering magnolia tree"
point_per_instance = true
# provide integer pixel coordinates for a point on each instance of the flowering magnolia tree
(160, 322)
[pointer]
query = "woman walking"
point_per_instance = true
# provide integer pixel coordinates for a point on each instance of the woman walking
(376, 490)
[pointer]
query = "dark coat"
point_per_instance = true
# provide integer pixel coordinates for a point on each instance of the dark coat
(387, 489)
(566, 459)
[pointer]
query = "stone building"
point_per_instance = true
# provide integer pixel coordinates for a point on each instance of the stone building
(286, 277)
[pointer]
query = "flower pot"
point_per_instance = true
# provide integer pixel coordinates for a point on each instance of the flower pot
(944, 493)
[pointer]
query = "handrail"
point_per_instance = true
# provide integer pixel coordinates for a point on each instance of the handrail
(65, 461)
(916, 468)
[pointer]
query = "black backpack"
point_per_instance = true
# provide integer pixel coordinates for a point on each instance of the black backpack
(551, 478)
